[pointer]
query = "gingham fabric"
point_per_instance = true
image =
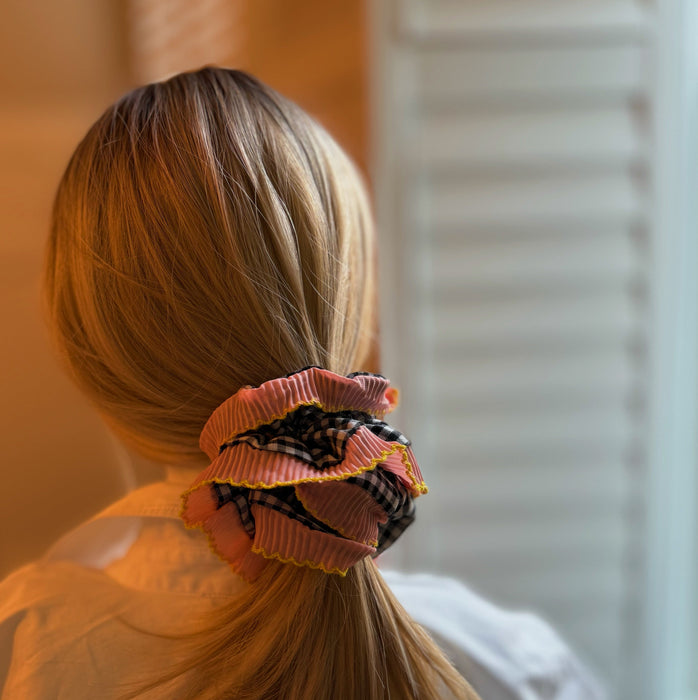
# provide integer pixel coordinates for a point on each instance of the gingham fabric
(381, 485)
(316, 437)
(323, 481)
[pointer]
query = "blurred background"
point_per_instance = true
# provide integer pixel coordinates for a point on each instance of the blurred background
(534, 165)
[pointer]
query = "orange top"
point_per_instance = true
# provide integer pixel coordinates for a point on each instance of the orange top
(61, 635)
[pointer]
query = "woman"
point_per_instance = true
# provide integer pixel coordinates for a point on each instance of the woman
(209, 283)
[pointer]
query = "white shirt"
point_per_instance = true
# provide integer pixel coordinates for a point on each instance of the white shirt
(60, 636)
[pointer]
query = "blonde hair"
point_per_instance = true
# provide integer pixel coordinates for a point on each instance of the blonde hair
(208, 234)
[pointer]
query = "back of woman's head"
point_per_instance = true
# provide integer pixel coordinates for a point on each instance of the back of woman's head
(206, 234)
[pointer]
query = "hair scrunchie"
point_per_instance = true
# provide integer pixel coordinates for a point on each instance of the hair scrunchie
(304, 470)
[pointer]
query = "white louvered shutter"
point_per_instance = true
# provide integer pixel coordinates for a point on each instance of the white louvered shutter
(514, 170)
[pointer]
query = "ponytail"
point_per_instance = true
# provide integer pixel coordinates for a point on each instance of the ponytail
(207, 234)
(300, 634)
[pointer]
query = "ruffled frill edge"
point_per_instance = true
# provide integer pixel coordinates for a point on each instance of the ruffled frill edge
(326, 495)
(251, 407)
(343, 506)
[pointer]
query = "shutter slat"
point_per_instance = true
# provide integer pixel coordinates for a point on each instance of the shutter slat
(499, 19)
(465, 140)
(561, 200)
(609, 374)
(539, 318)
(533, 537)
(540, 261)
(471, 76)
(566, 586)
(572, 427)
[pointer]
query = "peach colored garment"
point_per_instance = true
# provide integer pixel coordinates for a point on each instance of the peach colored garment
(61, 639)
(68, 644)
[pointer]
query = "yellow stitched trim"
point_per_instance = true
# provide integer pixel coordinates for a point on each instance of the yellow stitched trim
(211, 544)
(421, 487)
(316, 403)
(212, 547)
(244, 577)
(308, 479)
(259, 550)
(291, 560)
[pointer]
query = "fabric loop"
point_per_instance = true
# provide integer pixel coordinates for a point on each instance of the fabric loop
(331, 481)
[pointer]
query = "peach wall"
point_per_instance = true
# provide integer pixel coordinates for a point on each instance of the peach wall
(61, 63)
(59, 66)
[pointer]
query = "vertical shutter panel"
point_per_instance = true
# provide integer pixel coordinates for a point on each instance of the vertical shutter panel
(514, 162)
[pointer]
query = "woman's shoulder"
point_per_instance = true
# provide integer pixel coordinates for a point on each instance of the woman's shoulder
(41, 581)
(62, 630)
(32, 598)
(48, 595)
(506, 654)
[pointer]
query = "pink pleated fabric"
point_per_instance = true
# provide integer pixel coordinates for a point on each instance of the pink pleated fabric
(343, 506)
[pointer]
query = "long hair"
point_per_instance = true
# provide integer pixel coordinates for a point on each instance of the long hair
(208, 234)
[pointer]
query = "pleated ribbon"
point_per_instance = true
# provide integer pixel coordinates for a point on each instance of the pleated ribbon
(259, 500)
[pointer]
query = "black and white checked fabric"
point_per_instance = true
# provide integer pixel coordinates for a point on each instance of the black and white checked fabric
(281, 498)
(320, 439)
(395, 500)
(380, 484)
(316, 437)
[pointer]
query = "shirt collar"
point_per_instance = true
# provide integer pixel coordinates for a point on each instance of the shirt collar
(181, 476)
